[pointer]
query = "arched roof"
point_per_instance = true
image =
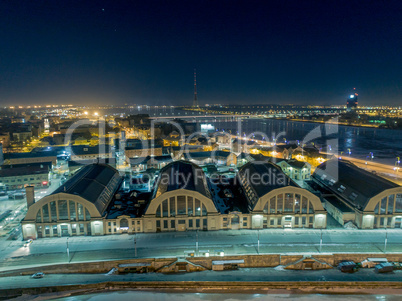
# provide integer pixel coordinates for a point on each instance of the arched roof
(354, 185)
(96, 183)
(182, 175)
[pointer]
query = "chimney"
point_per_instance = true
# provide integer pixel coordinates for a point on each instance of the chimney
(30, 195)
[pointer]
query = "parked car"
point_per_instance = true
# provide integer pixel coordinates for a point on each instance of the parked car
(385, 267)
(347, 267)
(38, 275)
(28, 242)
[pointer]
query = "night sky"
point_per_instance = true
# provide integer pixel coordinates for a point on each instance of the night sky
(144, 52)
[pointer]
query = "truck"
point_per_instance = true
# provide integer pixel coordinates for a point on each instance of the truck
(385, 267)
(347, 267)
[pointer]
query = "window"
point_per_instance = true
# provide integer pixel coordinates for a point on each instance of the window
(45, 210)
(383, 205)
(89, 232)
(80, 210)
(172, 206)
(39, 216)
(74, 229)
(63, 211)
(197, 223)
(279, 221)
(165, 224)
(391, 200)
(204, 210)
(53, 211)
(158, 224)
(47, 230)
(297, 203)
(279, 200)
(398, 203)
(310, 220)
(173, 224)
(181, 205)
(190, 206)
(165, 212)
(272, 205)
(81, 228)
(54, 229)
(303, 220)
(197, 208)
(205, 222)
(310, 208)
(190, 223)
(271, 221)
(304, 205)
(158, 211)
(71, 205)
(288, 202)
(87, 215)
(296, 220)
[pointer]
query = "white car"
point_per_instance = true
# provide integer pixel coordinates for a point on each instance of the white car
(38, 275)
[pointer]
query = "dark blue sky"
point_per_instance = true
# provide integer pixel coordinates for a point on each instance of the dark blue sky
(144, 52)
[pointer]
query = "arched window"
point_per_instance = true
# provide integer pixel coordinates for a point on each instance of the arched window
(123, 223)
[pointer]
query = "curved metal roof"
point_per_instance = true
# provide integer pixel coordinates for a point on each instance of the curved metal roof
(182, 175)
(354, 185)
(97, 183)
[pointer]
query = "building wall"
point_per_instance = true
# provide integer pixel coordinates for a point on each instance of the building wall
(62, 214)
(131, 153)
(28, 160)
(17, 182)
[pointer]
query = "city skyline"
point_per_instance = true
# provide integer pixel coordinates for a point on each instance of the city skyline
(145, 53)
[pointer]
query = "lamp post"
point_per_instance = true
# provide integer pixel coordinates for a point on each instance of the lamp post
(321, 241)
(135, 244)
(196, 242)
(68, 252)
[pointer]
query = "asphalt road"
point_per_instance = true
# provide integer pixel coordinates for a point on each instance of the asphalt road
(173, 244)
(247, 274)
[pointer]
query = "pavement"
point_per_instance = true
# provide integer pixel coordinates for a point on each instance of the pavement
(14, 255)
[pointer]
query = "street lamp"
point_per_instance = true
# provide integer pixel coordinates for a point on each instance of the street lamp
(68, 252)
(196, 242)
(135, 244)
(321, 241)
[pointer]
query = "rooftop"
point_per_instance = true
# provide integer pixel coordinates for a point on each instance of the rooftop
(97, 183)
(182, 175)
(354, 185)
